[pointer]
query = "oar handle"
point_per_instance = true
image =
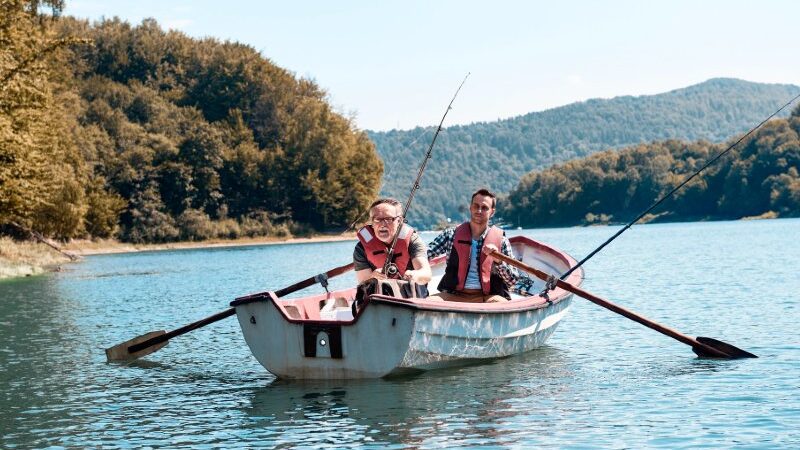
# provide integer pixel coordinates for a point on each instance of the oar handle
(688, 340)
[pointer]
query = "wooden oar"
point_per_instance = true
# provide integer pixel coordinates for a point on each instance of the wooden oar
(703, 346)
(155, 340)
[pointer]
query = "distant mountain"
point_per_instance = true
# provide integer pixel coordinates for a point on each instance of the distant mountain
(497, 154)
(757, 178)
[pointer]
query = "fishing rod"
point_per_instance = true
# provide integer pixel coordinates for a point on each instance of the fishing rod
(386, 174)
(675, 189)
(389, 267)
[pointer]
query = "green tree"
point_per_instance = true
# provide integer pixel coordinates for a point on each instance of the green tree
(756, 178)
(148, 220)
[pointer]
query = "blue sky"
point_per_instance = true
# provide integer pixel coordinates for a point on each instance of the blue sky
(397, 64)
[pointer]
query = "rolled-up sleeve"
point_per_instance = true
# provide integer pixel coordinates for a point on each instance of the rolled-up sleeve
(442, 244)
(507, 272)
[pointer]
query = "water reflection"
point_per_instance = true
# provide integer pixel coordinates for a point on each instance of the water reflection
(141, 364)
(693, 366)
(459, 405)
(120, 274)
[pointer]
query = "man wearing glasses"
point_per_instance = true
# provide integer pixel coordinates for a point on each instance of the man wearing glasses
(471, 275)
(374, 240)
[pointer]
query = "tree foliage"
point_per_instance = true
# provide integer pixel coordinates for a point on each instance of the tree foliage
(41, 171)
(497, 154)
(757, 178)
(152, 136)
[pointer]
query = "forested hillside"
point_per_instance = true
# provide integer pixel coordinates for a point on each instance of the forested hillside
(113, 130)
(135, 133)
(759, 177)
(497, 154)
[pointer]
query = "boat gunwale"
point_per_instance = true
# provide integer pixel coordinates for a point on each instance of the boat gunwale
(531, 302)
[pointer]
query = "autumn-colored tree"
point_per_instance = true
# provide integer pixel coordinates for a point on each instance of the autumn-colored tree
(194, 134)
(41, 171)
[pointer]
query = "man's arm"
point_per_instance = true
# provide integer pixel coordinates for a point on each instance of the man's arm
(419, 260)
(422, 271)
(361, 265)
(442, 244)
(507, 272)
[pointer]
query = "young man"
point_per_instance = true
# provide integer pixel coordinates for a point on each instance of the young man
(374, 240)
(471, 275)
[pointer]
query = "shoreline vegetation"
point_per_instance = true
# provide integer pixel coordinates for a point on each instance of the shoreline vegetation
(134, 138)
(20, 259)
(116, 131)
(26, 258)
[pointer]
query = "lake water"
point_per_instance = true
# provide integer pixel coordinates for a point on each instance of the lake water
(602, 381)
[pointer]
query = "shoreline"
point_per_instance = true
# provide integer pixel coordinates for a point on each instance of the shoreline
(24, 259)
(88, 248)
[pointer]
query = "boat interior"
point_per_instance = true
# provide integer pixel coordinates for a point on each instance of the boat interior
(338, 305)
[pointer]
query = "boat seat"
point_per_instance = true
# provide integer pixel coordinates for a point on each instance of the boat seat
(334, 302)
(394, 288)
(293, 312)
(335, 309)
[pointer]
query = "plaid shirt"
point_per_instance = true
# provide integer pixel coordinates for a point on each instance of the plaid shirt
(443, 244)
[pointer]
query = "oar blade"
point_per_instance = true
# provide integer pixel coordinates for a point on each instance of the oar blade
(730, 350)
(120, 352)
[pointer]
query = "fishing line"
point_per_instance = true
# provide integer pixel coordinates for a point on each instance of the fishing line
(389, 268)
(658, 202)
(386, 175)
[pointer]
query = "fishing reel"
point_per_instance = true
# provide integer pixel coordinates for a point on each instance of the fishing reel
(392, 271)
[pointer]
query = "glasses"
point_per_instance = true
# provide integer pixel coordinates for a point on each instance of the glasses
(386, 220)
(481, 208)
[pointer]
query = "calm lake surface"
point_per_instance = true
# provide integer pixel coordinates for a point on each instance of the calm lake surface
(602, 381)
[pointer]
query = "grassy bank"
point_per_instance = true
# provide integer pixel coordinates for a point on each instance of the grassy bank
(22, 259)
(83, 248)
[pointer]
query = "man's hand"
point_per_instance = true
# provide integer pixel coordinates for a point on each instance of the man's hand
(411, 275)
(489, 248)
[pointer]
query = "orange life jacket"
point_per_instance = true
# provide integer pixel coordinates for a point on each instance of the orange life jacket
(458, 262)
(376, 249)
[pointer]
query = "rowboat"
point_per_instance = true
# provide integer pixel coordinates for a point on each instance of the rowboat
(348, 333)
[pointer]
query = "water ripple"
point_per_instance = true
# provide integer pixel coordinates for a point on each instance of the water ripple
(602, 382)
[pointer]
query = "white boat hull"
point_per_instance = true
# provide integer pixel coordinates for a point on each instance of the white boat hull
(473, 337)
(304, 339)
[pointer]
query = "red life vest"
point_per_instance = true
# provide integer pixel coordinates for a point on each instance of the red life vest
(462, 245)
(376, 249)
